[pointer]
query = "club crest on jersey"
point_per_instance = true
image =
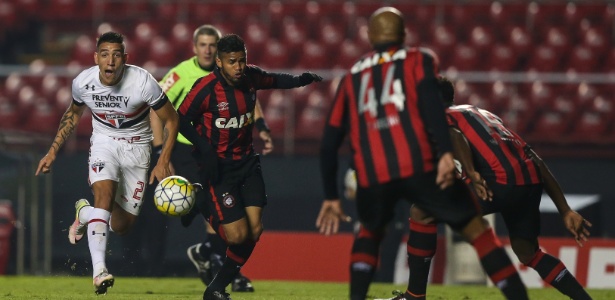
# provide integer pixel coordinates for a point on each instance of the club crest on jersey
(228, 200)
(222, 106)
(97, 166)
(115, 119)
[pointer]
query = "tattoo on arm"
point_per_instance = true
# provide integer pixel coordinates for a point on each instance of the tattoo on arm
(67, 126)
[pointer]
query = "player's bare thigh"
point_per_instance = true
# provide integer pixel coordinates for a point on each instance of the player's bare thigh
(249, 227)
(104, 193)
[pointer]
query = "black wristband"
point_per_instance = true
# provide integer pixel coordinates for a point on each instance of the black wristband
(157, 149)
(261, 125)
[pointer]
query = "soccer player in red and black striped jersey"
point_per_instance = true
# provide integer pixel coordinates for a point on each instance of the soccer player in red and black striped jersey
(389, 105)
(496, 157)
(217, 117)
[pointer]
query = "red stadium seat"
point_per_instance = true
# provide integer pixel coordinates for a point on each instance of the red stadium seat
(312, 117)
(520, 40)
(549, 125)
(590, 126)
(256, 36)
(275, 113)
(481, 38)
(499, 95)
(349, 54)
(26, 99)
(596, 40)
(557, 39)
(582, 60)
(444, 40)
(162, 52)
(276, 57)
(313, 56)
(293, 35)
(331, 35)
(43, 118)
(10, 118)
(502, 58)
(585, 94)
(181, 38)
(540, 96)
(12, 85)
(49, 86)
(143, 34)
(83, 50)
(544, 59)
(465, 58)
(565, 106)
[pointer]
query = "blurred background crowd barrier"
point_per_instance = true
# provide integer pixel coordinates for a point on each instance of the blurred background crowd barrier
(546, 67)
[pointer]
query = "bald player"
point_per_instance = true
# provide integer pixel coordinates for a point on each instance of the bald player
(389, 105)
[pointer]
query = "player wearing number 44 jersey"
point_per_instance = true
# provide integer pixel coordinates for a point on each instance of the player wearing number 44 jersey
(389, 105)
(120, 97)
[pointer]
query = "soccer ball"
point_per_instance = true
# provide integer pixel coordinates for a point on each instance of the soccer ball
(174, 196)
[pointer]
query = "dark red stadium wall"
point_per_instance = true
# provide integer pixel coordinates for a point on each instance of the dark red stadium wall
(303, 256)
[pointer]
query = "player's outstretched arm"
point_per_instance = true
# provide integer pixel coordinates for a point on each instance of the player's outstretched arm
(170, 120)
(68, 124)
(263, 130)
(574, 222)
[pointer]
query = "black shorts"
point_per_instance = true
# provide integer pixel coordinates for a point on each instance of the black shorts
(455, 205)
(519, 206)
(241, 185)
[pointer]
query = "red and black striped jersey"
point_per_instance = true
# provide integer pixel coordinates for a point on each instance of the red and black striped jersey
(389, 116)
(499, 153)
(223, 114)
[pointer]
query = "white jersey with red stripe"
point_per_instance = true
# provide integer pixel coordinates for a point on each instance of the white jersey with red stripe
(120, 111)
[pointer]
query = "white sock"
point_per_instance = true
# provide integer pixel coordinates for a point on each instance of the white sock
(98, 233)
(84, 214)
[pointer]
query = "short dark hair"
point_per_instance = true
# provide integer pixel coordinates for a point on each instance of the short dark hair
(206, 30)
(231, 43)
(447, 90)
(111, 37)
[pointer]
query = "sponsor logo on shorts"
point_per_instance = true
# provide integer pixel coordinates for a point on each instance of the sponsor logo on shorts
(228, 200)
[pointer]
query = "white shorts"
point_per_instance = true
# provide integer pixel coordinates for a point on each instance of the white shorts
(123, 162)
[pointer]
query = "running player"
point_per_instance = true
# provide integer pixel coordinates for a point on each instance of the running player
(120, 97)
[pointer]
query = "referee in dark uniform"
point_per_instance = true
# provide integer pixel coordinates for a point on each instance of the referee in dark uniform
(389, 105)
(220, 105)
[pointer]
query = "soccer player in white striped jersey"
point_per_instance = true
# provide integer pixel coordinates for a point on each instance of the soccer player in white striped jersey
(120, 97)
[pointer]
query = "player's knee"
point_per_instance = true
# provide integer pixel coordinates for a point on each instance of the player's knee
(256, 232)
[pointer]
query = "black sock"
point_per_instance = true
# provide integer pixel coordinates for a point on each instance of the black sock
(236, 257)
(553, 271)
(498, 266)
(422, 242)
(218, 245)
(204, 250)
(363, 262)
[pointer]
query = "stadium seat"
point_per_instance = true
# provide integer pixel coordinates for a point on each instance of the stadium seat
(181, 38)
(463, 90)
(540, 96)
(293, 34)
(256, 36)
(312, 117)
(141, 39)
(549, 125)
(597, 41)
(83, 50)
(444, 40)
(26, 99)
(162, 52)
(499, 95)
(502, 58)
(330, 35)
(503, 14)
(520, 40)
(10, 118)
(43, 118)
(465, 58)
(590, 126)
(277, 56)
(12, 85)
(582, 60)
(63, 98)
(275, 113)
(557, 39)
(49, 86)
(544, 59)
(348, 53)
(565, 106)
(313, 56)
(585, 94)
(481, 38)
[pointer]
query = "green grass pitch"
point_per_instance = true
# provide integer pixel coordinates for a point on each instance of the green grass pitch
(132, 288)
